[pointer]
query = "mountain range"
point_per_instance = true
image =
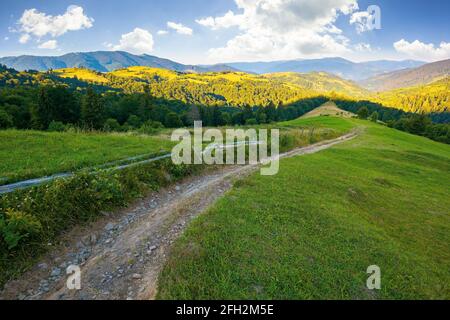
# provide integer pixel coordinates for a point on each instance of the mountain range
(101, 61)
(343, 68)
(105, 61)
(410, 77)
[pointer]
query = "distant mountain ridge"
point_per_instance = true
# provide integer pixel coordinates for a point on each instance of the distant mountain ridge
(343, 68)
(101, 61)
(106, 61)
(410, 77)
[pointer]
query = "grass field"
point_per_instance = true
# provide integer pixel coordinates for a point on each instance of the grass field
(311, 231)
(328, 109)
(30, 154)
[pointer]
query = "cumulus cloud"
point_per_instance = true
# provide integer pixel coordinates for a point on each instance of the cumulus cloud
(366, 20)
(51, 44)
(162, 32)
(228, 20)
(179, 28)
(139, 41)
(423, 51)
(282, 29)
(24, 38)
(39, 24)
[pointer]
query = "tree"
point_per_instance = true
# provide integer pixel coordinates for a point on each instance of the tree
(134, 122)
(173, 120)
(40, 114)
(363, 113)
(374, 116)
(92, 110)
(5, 120)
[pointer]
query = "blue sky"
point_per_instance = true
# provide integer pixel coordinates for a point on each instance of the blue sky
(211, 31)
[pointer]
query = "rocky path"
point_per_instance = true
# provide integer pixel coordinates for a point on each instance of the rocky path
(122, 255)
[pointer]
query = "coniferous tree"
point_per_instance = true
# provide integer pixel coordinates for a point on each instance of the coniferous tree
(92, 110)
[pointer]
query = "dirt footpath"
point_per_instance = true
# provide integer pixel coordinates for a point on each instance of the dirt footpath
(121, 257)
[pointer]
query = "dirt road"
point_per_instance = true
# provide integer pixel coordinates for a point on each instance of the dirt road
(121, 257)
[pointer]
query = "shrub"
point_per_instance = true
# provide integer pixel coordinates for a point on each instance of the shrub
(6, 120)
(56, 126)
(251, 122)
(363, 113)
(111, 125)
(17, 227)
(151, 127)
(31, 218)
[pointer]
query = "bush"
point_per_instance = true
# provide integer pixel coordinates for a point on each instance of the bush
(111, 125)
(56, 126)
(363, 113)
(6, 120)
(151, 127)
(374, 116)
(29, 219)
(17, 227)
(134, 122)
(251, 122)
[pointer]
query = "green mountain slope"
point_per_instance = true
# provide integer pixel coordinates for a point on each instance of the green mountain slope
(321, 82)
(102, 61)
(312, 231)
(433, 97)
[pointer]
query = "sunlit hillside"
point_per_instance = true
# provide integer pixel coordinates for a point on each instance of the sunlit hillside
(221, 88)
(81, 74)
(434, 97)
(321, 82)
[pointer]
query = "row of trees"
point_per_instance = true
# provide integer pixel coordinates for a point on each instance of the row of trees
(418, 124)
(54, 107)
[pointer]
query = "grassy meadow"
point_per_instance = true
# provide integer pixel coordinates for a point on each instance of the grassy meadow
(31, 154)
(311, 231)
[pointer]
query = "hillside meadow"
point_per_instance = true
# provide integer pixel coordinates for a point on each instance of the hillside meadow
(312, 231)
(28, 154)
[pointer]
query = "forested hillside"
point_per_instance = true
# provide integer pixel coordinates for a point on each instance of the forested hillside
(321, 82)
(150, 98)
(433, 97)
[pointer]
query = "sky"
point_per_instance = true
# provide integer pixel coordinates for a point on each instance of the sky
(218, 31)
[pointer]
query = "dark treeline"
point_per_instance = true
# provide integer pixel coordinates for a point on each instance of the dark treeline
(58, 107)
(419, 124)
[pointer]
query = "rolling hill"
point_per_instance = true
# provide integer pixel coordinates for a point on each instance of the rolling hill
(407, 78)
(433, 97)
(321, 82)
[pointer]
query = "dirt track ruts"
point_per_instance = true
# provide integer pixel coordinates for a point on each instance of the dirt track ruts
(121, 257)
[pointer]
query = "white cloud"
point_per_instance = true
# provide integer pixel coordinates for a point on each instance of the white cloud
(6, 38)
(226, 21)
(51, 44)
(363, 47)
(139, 41)
(162, 32)
(24, 38)
(179, 28)
(40, 24)
(282, 29)
(423, 51)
